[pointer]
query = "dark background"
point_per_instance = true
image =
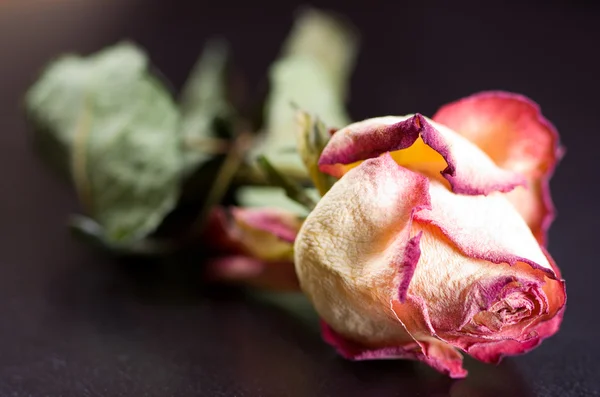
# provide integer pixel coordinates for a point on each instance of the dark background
(73, 324)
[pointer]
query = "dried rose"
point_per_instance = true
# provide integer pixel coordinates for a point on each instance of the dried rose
(417, 252)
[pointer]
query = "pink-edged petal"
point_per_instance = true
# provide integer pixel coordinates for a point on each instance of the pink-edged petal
(507, 127)
(477, 253)
(487, 228)
(467, 169)
(413, 314)
(436, 354)
(355, 252)
(280, 223)
(406, 263)
(512, 131)
(493, 352)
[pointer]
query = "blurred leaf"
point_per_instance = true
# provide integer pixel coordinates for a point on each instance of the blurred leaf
(292, 189)
(313, 74)
(312, 136)
(204, 104)
(327, 38)
(110, 125)
(213, 148)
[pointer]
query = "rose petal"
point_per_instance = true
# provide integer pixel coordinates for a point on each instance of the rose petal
(355, 252)
(282, 224)
(413, 314)
(467, 169)
(487, 228)
(512, 131)
(517, 338)
(448, 288)
(470, 237)
(437, 354)
(467, 244)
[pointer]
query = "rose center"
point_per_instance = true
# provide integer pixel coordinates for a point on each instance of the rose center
(512, 309)
(512, 315)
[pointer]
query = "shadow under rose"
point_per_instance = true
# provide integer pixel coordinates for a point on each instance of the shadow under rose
(214, 339)
(335, 376)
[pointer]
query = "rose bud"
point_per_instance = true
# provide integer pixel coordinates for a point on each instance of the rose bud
(253, 247)
(419, 251)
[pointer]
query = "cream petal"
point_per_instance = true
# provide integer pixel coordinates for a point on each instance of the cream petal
(484, 227)
(355, 251)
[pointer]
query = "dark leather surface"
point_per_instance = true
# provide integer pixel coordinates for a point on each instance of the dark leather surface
(76, 324)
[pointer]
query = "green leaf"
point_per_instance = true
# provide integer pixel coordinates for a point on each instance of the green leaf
(110, 125)
(203, 104)
(312, 74)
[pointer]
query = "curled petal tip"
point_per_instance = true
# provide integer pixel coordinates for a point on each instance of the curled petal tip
(418, 144)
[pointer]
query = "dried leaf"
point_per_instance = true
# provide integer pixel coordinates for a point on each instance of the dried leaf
(113, 128)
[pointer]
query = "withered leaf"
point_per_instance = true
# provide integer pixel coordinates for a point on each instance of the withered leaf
(113, 127)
